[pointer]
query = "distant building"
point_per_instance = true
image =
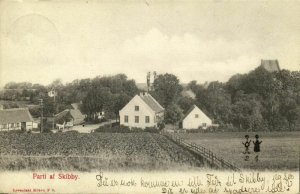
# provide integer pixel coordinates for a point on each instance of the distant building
(15, 119)
(270, 65)
(195, 118)
(70, 117)
(142, 111)
(188, 93)
(76, 106)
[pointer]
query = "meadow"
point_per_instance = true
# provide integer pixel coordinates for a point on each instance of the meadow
(279, 150)
(94, 151)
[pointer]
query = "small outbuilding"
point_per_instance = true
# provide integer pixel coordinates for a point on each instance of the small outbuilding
(70, 117)
(195, 118)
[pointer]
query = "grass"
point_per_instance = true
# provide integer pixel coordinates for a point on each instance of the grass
(279, 150)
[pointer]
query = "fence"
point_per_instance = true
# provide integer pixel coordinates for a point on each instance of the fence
(207, 154)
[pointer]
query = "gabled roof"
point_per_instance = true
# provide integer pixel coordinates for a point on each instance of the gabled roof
(270, 65)
(75, 105)
(15, 115)
(151, 102)
(190, 110)
(62, 114)
(76, 114)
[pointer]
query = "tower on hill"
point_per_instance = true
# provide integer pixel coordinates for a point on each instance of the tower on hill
(270, 65)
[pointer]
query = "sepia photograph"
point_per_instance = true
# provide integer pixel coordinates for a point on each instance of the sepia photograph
(137, 89)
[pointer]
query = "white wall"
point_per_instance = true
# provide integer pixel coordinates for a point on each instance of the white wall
(29, 126)
(16, 126)
(144, 111)
(190, 122)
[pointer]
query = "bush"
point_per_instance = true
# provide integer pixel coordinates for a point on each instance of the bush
(152, 130)
(136, 130)
(227, 128)
(108, 128)
(125, 129)
(161, 125)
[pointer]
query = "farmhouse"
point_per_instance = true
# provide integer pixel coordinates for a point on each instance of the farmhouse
(142, 111)
(15, 119)
(195, 118)
(70, 117)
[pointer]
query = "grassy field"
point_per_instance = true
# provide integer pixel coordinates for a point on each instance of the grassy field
(93, 151)
(279, 150)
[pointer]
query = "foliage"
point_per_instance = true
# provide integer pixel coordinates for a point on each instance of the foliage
(166, 89)
(173, 114)
(257, 101)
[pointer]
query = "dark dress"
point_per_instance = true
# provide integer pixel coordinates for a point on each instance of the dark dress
(257, 146)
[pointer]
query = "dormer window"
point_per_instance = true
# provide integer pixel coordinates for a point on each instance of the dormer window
(136, 108)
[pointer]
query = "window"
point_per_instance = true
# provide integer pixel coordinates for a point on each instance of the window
(18, 124)
(147, 119)
(126, 119)
(203, 124)
(5, 126)
(136, 119)
(196, 116)
(136, 108)
(12, 125)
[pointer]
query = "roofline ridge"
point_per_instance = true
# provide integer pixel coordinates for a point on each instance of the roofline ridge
(14, 109)
(156, 101)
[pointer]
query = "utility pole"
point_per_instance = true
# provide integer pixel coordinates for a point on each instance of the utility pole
(148, 81)
(42, 111)
(54, 110)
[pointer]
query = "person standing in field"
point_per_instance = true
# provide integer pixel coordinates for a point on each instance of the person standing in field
(246, 144)
(257, 147)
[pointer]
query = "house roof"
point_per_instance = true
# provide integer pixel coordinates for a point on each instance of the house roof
(190, 110)
(270, 65)
(62, 113)
(75, 105)
(15, 115)
(76, 114)
(151, 102)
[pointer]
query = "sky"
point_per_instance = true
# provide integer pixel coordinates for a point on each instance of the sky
(41, 41)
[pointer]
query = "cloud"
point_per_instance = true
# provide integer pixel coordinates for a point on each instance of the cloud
(186, 56)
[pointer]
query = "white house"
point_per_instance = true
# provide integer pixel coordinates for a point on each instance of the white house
(195, 118)
(15, 119)
(142, 111)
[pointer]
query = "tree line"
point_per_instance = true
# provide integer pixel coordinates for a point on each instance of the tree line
(255, 101)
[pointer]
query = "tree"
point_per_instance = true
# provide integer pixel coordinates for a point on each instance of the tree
(118, 102)
(246, 112)
(97, 100)
(166, 89)
(173, 114)
(185, 103)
